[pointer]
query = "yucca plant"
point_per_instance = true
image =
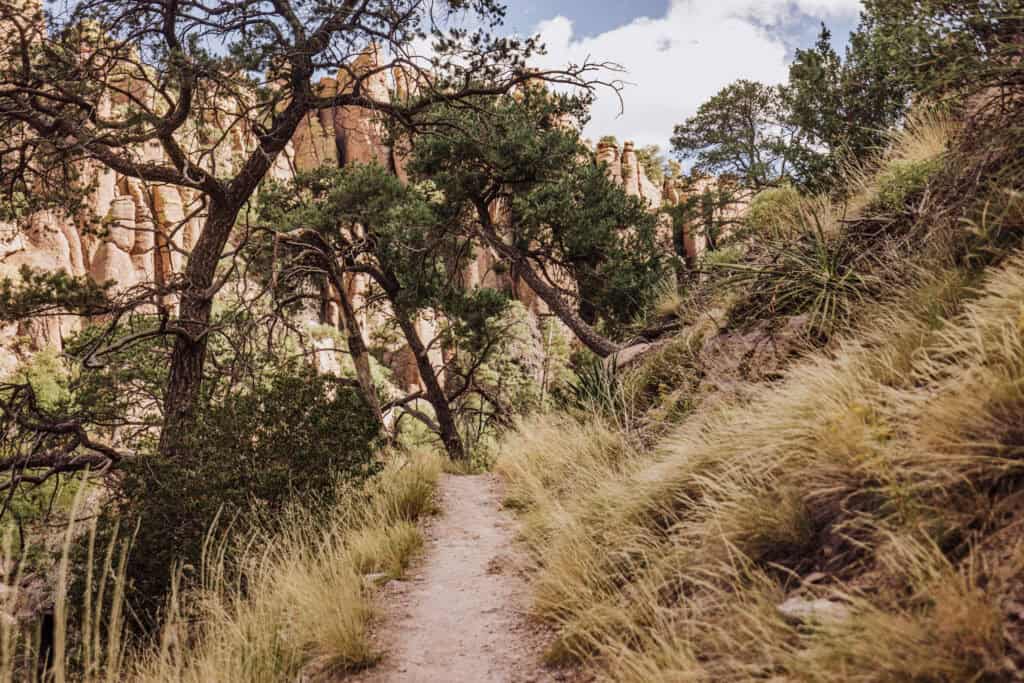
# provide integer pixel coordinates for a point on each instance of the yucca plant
(816, 275)
(598, 389)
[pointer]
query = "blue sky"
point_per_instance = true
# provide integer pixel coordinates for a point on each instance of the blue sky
(675, 53)
(591, 18)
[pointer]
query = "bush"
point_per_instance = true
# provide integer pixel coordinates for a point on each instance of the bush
(774, 211)
(47, 375)
(882, 187)
(901, 181)
(723, 257)
(292, 437)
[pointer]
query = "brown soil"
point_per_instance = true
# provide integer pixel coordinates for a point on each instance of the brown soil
(461, 616)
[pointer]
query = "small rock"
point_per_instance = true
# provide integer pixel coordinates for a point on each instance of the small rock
(821, 611)
(376, 579)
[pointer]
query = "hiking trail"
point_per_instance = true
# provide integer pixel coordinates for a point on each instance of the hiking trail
(460, 614)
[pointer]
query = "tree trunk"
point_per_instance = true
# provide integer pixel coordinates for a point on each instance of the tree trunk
(186, 374)
(590, 337)
(356, 345)
(435, 394)
(360, 358)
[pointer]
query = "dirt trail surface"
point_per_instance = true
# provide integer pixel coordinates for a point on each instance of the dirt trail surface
(460, 618)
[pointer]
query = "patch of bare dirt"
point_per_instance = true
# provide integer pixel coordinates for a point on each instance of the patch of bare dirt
(461, 615)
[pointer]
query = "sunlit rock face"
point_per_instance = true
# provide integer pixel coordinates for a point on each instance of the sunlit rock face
(135, 233)
(624, 169)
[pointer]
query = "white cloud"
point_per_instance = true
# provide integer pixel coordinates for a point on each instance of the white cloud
(676, 62)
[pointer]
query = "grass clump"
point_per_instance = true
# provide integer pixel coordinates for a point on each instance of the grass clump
(901, 180)
(882, 187)
(307, 602)
(279, 605)
(668, 301)
(881, 491)
(772, 211)
(853, 517)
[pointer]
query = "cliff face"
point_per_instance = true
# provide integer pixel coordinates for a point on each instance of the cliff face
(130, 232)
(134, 232)
(625, 169)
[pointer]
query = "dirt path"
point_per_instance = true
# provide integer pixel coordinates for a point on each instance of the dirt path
(460, 618)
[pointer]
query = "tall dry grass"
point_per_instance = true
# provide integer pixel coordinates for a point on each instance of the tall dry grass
(96, 652)
(297, 603)
(924, 139)
(881, 477)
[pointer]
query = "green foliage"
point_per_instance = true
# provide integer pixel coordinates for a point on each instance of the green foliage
(742, 131)
(49, 377)
(37, 293)
(653, 162)
(949, 48)
(513, 369)
(407, 237)
(773, 211)
(30, 507)
(724, 257)
(293, 437)
(122, 393)
(902, 180)
(843, 107)
(606, 238)
(832, 111)
(598, 389)
(557, 373)
(562, 209)
(615, 269)
(475, 319)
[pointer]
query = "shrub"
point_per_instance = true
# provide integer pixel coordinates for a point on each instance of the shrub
(723, 257)
(901, 181)
(823, 278)
(596, 388)
(294, 436)
(774, 211)
(915, 153)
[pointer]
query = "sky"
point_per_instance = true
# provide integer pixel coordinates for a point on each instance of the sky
(676, 53)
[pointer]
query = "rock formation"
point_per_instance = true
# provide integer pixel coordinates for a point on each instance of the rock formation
(135, 232)
(625, 170)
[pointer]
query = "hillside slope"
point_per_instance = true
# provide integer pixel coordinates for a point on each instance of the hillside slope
(847, 508)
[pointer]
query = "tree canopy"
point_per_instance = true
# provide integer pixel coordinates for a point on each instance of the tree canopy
(743, 131)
